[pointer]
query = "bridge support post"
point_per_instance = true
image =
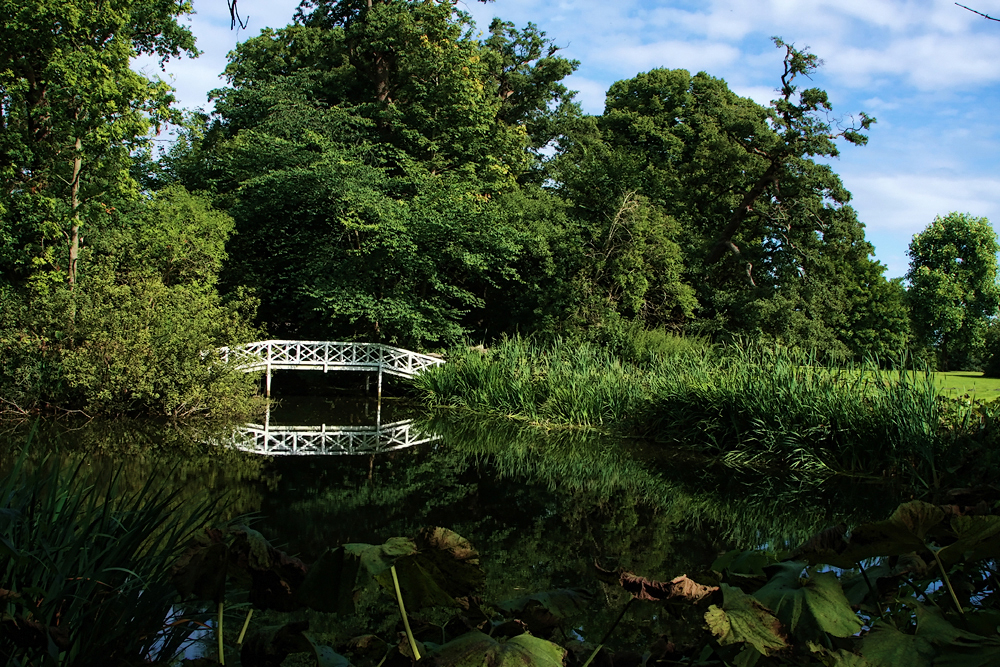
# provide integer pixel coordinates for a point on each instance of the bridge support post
(267, 383)
(378, 406)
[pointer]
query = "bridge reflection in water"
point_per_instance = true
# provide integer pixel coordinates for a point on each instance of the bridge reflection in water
(327, 440)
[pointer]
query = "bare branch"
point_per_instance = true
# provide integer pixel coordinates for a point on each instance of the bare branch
(985, 16)
(234, 16)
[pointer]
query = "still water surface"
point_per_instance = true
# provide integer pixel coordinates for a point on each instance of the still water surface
(541, 507)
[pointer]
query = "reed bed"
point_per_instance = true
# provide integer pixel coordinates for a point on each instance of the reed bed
(770, 407)
(85, 572)
(747, 405)
(553, 383)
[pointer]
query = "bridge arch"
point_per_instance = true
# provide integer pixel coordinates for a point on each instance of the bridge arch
(271, 355)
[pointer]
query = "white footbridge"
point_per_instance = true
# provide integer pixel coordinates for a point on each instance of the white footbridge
(329, 440)
(271, 355)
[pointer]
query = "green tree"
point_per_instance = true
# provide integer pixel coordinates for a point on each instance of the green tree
(364, 152)
(765, 232)
(630, 263)
(953, 290)
(71, 111)
(144, 314)
(416, 79)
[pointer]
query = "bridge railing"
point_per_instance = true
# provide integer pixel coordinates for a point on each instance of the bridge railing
(327, 355)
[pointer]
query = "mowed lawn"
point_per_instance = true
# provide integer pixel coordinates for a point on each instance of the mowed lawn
(967, 382)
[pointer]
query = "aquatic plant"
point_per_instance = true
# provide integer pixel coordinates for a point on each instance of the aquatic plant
(917, 588)
(747, 405)
(84, 572)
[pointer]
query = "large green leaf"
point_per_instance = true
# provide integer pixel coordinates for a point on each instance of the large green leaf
(201, 570)
(978, 539)
(918, 517)
(905, 531)
(562, 603)
(811, 606)
(885, 646)
(444, 567)
(419, 587)
(936, 641)
(476, 649)
(331, 582)
(268, 646)
(377, 558)
(741, 618)
(543, 611)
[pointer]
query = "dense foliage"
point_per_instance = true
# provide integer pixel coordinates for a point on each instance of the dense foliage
(381, 171)
(953, 287)
(108, 298)
(393, 176)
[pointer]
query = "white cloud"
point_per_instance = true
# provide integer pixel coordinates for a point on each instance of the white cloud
(895, 207)
(928, 62)
(762, 95)
(590, 94)
(672, 54)
(905, 203)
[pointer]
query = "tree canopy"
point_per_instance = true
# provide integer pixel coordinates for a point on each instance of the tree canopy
(953, 286)
(380, 170)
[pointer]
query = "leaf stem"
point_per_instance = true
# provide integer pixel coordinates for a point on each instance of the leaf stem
(218, 632)
(874, 594)
(246, 624)
(947, 583)
(402, 611)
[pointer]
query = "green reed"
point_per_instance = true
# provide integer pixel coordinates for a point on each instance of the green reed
(747, 405)
(85, 571)
(766, 406)
(555, 383)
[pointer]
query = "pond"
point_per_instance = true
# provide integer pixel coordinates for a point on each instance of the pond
(542, 507)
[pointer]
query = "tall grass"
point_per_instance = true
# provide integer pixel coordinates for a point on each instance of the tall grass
(746, 405)
(556, 383)
(85, 569)
(767, 406)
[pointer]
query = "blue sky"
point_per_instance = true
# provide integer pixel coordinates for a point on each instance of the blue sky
(928, 70)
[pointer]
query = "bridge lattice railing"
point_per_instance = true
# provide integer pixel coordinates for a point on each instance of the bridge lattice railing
(327, 355)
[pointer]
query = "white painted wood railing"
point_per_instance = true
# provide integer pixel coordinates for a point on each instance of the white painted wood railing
(326, 356)
(271, 355)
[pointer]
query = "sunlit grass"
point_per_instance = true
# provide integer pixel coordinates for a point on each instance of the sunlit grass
(959, 383)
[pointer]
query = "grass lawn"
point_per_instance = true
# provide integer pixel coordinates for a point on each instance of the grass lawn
(964, 382)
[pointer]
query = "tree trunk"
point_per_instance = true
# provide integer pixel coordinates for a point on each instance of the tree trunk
(725, 241)
(74, 232)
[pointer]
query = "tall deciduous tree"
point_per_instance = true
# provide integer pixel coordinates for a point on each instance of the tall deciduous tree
(71, 110)
(797, 118)
(953, 290)
(767, 240)
(363, 151)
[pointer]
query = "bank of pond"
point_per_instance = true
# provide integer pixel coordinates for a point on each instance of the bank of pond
(743, 405)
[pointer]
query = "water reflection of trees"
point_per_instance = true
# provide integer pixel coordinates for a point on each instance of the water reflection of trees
(542, 507)
(137, 450)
